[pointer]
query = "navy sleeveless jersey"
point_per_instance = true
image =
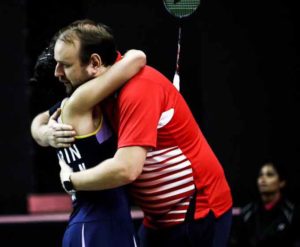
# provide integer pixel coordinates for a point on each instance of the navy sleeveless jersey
(88, 151)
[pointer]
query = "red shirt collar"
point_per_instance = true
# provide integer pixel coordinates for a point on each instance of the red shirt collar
(271, 205)
(119, 56)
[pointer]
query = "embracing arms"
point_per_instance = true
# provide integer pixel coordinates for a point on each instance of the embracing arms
(94, 91)
(126, 165)
(46, 131)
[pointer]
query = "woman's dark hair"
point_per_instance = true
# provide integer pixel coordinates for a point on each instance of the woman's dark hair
(45, 88)
(277, 165)
(45, 64)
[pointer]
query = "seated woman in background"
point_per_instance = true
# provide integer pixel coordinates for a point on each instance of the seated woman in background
(270, 221)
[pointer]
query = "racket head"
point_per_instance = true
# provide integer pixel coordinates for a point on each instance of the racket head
(181, 8)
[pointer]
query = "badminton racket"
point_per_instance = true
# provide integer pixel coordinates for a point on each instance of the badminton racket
(180, 9)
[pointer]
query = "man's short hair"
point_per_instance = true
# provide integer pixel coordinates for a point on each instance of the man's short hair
(93, 37)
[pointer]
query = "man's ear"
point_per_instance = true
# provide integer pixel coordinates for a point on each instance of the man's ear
(95, 63)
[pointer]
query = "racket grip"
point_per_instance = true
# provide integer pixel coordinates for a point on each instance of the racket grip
(176, 81)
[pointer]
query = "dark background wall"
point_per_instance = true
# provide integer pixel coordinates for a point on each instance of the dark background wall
(239, 74)
(15, 149)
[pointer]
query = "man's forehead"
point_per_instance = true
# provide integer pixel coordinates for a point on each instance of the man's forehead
(66, 51)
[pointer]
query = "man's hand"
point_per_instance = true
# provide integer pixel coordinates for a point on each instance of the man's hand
(65, 172)
(46, 131)
(59, 135)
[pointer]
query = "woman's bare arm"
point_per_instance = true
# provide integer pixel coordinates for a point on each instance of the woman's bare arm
(94, 91)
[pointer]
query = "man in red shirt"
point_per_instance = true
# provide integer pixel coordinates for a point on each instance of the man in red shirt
(174, 176)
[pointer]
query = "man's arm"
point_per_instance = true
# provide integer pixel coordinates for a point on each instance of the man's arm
(123, 168)
(47, 132)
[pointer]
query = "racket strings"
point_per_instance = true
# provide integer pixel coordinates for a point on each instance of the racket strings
(181, 8)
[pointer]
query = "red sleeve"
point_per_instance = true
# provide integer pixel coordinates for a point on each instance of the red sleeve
(139, 108)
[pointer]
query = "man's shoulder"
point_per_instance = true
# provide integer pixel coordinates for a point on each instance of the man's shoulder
(149, 78)
(146, 79)
(149, 73)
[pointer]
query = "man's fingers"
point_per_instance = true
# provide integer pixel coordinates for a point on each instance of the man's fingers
(65, 134)
(60, 135)
(65, 140)
(58, 126)
(64, 127)
(63, 145)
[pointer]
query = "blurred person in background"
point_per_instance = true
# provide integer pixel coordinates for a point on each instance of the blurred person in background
(272, 220)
